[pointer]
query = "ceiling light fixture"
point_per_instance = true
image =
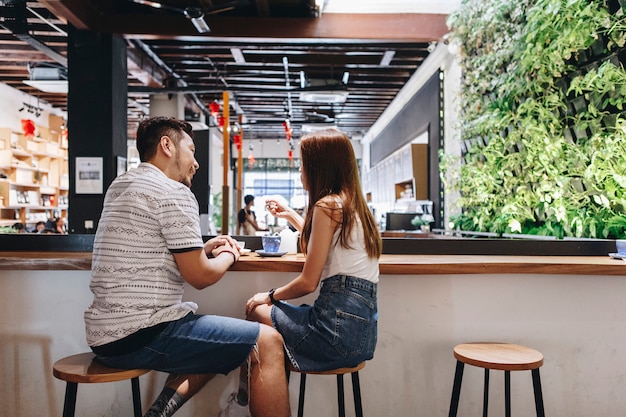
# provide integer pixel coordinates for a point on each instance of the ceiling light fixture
(197, 18)
(303, 82)
(324, 96)
(192, 13)
(238, 55)
(386, 59)
(314, 127)
(31, 109)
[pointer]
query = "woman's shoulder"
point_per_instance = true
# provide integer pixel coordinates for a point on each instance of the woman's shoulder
(330, 201)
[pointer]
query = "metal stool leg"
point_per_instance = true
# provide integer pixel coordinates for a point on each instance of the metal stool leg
(301, 399)
(136, 397)
(486, 393)
(538, 393)
(356, 391)
(340, 396)
(507, 393)
(456, 389)
(69, 406)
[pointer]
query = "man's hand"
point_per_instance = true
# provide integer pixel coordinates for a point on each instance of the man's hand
(218, 241)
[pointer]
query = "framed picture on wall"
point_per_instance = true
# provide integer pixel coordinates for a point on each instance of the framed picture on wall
(89, 175)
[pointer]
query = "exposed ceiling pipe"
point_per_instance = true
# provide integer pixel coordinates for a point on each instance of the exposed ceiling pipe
(213, 90)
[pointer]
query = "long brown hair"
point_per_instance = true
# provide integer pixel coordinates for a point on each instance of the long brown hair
(329, 169)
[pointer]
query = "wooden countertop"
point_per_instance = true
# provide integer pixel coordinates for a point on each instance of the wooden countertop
(389, 264)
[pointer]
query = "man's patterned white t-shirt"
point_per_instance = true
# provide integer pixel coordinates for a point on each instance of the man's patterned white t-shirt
(135, 281)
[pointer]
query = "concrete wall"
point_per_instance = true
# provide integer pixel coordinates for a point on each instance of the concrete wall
(577, 322)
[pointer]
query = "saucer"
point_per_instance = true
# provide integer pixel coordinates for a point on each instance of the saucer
(270, 254)
(617, 256)
(245, 251)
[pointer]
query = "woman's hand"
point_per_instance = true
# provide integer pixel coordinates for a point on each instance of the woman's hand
(257, 299)
(277, 208)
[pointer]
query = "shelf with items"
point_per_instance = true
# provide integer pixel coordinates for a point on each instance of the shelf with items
(33, 176)
(404, 190)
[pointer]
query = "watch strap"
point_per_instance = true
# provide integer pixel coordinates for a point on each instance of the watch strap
(271, 295)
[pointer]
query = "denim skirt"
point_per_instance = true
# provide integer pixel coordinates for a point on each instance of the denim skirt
(338, 330)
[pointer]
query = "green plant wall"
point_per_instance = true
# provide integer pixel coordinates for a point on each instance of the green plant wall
(543, 123)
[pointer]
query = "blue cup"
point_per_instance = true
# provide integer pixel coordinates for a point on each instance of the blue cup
(270, 243)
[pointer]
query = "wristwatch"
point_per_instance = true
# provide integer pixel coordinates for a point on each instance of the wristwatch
(271, 294)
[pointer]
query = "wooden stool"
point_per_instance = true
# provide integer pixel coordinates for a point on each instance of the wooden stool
(83, 369)
(505, 357)
(340, 372)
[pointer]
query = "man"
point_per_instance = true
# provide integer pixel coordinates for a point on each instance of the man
(246, 218)
(147, 246)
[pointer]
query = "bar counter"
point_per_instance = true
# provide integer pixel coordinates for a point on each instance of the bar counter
(390, 264)
(432, 295)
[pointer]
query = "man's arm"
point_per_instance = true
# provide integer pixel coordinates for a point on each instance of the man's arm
(200, 270)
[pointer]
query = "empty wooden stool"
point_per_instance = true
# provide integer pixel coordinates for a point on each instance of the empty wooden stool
(505, 357)
(83, 369)
(340, 372)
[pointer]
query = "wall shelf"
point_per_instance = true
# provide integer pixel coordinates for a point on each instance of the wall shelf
(34, 168)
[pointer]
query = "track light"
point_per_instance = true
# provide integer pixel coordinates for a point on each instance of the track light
(192, 13)
(36, 110)
(303, 81)
(197, 18)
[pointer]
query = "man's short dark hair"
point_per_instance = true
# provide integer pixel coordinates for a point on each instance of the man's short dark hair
(151, 130)
(248, 199)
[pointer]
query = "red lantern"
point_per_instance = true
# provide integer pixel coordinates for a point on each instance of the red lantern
(237, 141)
(28, 126)
(288, 130)
(214, 108)
(220, 120)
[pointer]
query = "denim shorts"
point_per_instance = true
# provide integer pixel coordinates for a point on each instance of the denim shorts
(195, 344)
(338, 330)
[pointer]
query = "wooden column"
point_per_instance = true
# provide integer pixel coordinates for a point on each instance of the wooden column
(239, 169)
(225, 188)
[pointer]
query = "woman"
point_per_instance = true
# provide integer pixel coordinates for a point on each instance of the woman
(342, 245)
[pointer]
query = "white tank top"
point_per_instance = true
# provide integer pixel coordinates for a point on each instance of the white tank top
(353, 261)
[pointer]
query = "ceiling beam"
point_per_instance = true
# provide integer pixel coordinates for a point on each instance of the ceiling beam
(398, 27)
(408, 27)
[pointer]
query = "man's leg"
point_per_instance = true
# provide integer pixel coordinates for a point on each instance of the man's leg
(260, 314)
(269, 395)
(178, 389)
